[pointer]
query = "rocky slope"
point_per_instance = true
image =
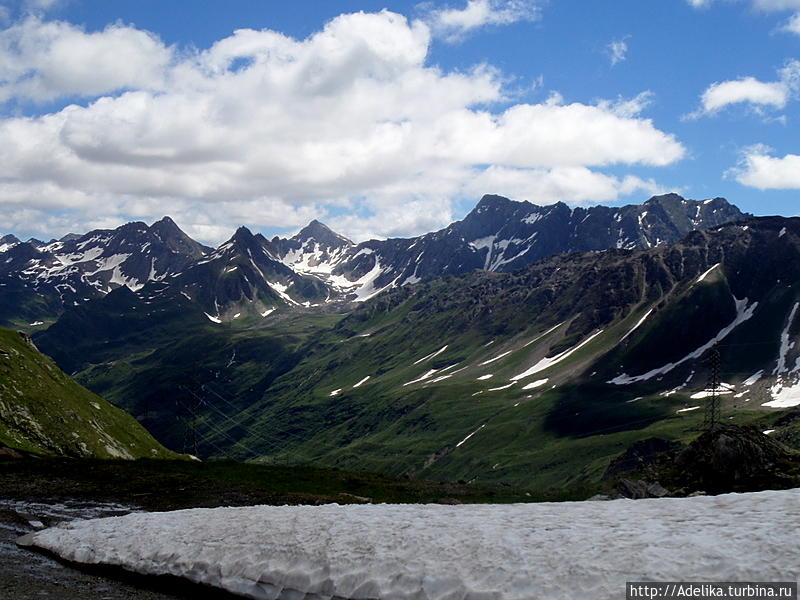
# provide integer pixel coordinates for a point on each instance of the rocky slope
(39, 280)
(43, 411)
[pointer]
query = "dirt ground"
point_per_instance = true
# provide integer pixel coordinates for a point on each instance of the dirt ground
(31, 575)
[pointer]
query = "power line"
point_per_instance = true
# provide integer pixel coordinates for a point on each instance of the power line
(712, 416)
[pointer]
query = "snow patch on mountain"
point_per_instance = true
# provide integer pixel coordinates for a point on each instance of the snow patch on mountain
(753, 378)
(725, 388)
(119, 279)
(638, 324)
(461, 443)
(706, 273)
(502, 387)
(281, 288)
(744, 310)
(498, 357)
(546, 363)
(514, 552)
(67, 260)
(361, 382)
(786, 345)
(784, 395)
(535, 384)
(313, 258)
(431, 355)
(422, 378)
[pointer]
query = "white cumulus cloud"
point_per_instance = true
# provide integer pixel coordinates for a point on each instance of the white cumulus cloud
(573, 185)
(350, 124)
(746, 89)
(759, 169)
(42, 61)
(751, 91)
(454, 23)
(793, 24)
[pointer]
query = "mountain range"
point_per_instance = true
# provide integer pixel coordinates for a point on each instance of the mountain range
(249, 277)
(523, 344)
(538, 373)
(498, 235)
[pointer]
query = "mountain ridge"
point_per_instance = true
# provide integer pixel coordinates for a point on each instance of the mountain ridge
(483, 374)
(319, 266)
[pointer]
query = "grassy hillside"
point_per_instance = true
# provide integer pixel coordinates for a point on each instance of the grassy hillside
(44, 411)
(534, 378)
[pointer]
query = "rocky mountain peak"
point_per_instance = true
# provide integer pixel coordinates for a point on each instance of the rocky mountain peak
(9, 239)
(166, 226)
(494, 204)
(242, 236)
(176, 239)
(321, 233)
(666, 199)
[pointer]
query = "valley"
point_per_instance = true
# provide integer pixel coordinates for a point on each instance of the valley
(289, 352)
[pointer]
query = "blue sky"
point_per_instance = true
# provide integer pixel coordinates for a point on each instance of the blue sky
(388, 118)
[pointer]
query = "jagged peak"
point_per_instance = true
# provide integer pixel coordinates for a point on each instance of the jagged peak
(493, 200)
(139, 225)
(178, 240)
(166, 226)
(671, 198)
(319, 231)
(242, 233)
(10, 239)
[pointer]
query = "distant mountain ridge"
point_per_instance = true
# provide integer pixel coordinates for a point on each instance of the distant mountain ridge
(250, 276)
(40, 279)
(498, 235)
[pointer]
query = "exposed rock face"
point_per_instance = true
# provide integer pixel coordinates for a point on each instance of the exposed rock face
(733, 458)
(640, 455)
(637, 489)
(41, 279)
(497, 235)
(729, 458)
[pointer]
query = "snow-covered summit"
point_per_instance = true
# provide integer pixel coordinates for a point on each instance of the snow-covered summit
(77, 268)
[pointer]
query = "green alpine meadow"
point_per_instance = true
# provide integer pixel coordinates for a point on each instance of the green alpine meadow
(45, 412)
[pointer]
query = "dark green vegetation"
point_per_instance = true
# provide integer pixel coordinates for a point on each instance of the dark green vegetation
(171, 485)
(156, 368)
(43, 411)
(537, 378)
(726, 458)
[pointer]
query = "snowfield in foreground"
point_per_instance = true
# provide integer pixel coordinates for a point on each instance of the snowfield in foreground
(469, 552)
